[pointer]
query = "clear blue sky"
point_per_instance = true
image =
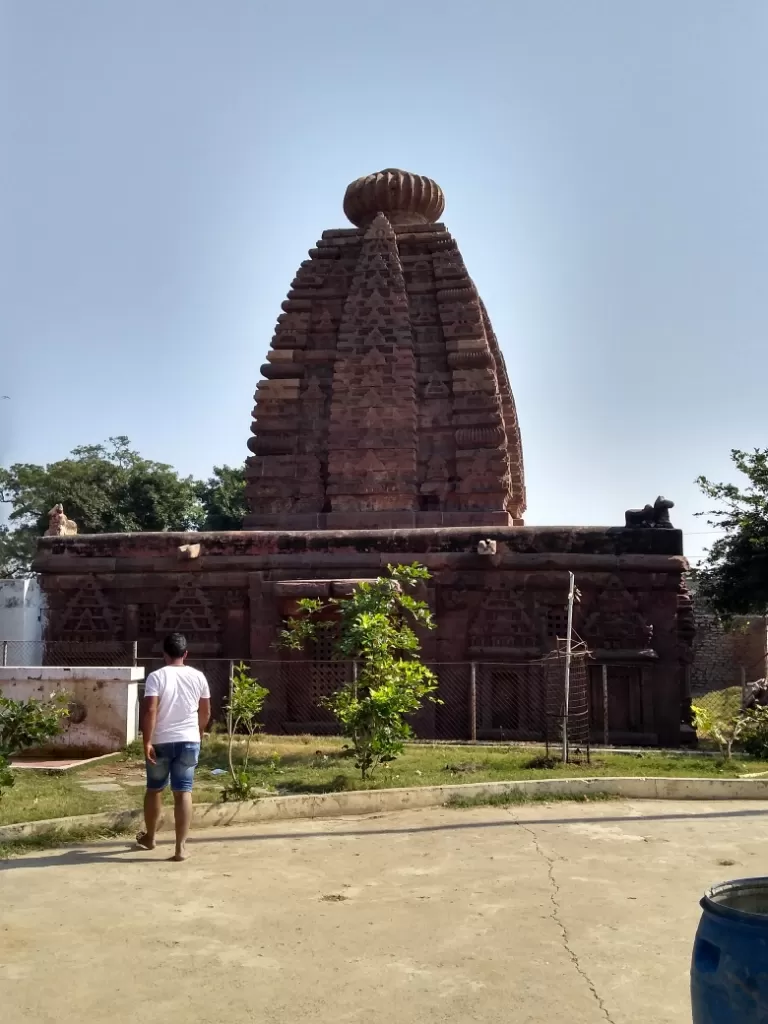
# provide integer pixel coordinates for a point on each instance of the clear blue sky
(167, 163)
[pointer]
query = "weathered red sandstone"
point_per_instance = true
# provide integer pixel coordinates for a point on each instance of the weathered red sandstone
(385, 400)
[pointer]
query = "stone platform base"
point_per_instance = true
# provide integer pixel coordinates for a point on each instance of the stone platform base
(103, 705)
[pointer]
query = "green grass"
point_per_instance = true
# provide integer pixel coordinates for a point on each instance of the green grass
(515, 798)
(310, 764)
(53, 838)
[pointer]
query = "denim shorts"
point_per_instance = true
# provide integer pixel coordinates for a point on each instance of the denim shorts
(174, 761)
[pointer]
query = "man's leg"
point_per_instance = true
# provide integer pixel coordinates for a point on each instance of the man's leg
(182, 776)
(157, 779)
(153, 805)
(182, 817)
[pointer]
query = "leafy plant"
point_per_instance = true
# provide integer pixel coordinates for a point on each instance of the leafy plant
(25, 724)
(223, 498)
(754, 735)
(239, 787)
(374, 628)
(724, 727)
(734, 577)
(245, 705)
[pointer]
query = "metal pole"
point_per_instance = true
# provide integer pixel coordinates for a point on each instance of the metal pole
(5, 652)
(606, 734)
(473, 701)
(135, 652)
(567, 696)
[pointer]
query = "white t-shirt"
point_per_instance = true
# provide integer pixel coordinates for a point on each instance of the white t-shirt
(180, 690)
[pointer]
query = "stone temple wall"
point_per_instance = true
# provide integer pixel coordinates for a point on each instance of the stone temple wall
(507, 608)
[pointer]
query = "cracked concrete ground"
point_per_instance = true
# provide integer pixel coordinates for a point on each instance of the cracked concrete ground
(562, 913)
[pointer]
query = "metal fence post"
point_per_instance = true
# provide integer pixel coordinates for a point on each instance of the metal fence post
(606, 732)
(473, 701)
(567, 682)
(135, 646)
(5, 652)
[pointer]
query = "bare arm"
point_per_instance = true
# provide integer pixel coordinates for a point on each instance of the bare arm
(148, 723)
(203, 714)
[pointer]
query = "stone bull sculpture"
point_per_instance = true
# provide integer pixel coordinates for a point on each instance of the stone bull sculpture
(652, 517)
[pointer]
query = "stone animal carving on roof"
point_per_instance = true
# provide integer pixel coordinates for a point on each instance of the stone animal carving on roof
(58, 524)
(652, 517)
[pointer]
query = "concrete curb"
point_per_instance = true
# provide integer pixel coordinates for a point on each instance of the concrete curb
(377, 801)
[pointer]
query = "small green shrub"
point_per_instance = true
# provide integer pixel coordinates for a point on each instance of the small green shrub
(724, 726)
(25, 724)
(374, 628)
(245, 705)
(754, 735)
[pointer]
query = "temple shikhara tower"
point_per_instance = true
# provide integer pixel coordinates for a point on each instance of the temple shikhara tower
(386, 402)
(384, 430)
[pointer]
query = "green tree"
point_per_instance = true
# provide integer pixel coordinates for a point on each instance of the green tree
(734, 576)
(723, 724)
(374, 627)
(17, 549)
(105, 488)
(25, 724)
(243, 710)
(223, 498)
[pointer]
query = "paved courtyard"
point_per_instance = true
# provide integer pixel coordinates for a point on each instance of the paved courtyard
(566, 913)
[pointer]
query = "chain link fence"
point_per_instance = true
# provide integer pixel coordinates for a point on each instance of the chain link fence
(97, 654)
(477, 701)
(218, 672)
(725, 703)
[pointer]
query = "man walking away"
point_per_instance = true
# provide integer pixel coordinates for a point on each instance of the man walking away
(175, 711)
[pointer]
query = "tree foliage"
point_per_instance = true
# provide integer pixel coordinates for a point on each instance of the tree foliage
(109, 488)
(374, 628)
(17, 549)
(223, 498)
(754, 735)
(25, 724)
(723, 725)
(734, 577)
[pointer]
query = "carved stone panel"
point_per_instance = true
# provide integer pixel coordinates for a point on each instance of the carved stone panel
(87, 617)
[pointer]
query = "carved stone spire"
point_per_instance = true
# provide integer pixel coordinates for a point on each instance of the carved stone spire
(385, 400)
(372, 445)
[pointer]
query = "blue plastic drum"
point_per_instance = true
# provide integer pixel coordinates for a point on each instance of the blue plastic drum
(729, 967)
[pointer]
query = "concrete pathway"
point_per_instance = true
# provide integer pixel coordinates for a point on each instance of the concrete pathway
(572, 913)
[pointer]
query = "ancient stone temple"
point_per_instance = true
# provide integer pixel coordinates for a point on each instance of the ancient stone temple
(386, 401)
(385, 430)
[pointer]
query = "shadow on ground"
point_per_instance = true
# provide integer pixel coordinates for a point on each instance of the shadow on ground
(115, 850)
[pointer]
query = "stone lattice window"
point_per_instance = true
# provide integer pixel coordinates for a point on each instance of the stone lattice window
(557, 622)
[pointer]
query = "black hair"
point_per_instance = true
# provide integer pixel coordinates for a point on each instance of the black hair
(175, 645)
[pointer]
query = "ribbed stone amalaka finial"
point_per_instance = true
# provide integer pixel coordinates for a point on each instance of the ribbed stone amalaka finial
(403, 198)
